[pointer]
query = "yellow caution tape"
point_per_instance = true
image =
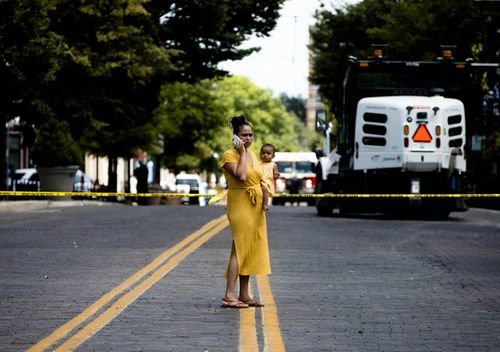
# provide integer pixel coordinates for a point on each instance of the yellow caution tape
(97, 194)
(390, 195)
(221, 195)
(216, 198)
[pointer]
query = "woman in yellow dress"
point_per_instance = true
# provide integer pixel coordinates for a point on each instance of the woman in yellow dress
(247, 217)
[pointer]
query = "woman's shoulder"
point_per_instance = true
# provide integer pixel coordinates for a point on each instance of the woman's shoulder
(231, 151)
(230, 155)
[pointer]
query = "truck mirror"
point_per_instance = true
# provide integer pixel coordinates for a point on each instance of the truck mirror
(321, 124)
(319, 153)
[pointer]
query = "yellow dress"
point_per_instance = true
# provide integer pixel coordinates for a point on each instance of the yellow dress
(246, 217)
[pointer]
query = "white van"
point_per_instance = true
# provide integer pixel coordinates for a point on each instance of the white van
(191, 183)
(297, 176)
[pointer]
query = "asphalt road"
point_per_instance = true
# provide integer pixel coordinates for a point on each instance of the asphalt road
(109, 277)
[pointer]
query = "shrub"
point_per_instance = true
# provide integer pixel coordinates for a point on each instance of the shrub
(54, 145)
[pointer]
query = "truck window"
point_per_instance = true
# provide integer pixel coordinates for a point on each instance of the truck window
(285, 166)
(304, 167)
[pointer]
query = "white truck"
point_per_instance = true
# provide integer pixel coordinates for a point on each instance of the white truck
(297, 176)
(401, 130)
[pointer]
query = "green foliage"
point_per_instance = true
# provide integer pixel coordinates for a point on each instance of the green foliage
(188, 117)
(410, 34)
(54, 145)
(115, 68)
(204, 33)
(271, 122)
(492, 147)
(194, 120)
(99, 64)
(412, 29)
(295, 105)
(31, 54)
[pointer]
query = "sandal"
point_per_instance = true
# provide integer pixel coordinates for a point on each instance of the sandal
(233, 303)
(252, 302)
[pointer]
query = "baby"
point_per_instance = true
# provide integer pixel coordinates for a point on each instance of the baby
(270, 172)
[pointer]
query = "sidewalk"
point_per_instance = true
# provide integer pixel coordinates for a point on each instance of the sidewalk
(30, 205)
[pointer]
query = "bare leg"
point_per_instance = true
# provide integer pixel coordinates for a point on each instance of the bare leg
(244, 292)
(232, 274)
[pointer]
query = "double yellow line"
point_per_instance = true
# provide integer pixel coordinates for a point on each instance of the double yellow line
(149, 275)
(273, 341)
(114, 302)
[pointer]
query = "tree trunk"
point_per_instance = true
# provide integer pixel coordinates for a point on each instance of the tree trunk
(156, 170)
(112, 175)
(3, 155)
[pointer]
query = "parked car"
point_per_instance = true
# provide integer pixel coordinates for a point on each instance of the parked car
(25, 180)
(82, 182)
(191, 183)
(28, 180)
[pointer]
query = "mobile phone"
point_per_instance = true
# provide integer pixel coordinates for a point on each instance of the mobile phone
(236, 139)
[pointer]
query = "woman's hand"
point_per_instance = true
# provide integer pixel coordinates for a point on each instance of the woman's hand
(240, 147)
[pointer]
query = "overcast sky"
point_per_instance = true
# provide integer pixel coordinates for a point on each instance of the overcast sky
(282, 63)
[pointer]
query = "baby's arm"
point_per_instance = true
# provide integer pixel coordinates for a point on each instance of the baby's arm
(265, 198)
(276, 174)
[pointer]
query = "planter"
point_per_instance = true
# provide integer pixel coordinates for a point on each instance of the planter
(57, 179)
(154, 188)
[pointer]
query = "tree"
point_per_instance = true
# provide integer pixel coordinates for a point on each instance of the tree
(271, 122)
(194, 120)
(411, 35)
(189, 117)
(31, 55)
(295, 105)
(413, 30)
(99, 64)
(204, 33)
(338, 34)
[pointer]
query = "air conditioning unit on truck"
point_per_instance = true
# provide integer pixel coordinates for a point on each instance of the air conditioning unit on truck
(401, 130)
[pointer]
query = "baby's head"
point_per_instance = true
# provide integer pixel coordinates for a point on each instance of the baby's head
(267, 152)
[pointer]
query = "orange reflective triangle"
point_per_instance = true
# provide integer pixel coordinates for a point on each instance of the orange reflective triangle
(422, 134)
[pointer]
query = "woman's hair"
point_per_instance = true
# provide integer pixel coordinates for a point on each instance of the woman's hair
(237, 122)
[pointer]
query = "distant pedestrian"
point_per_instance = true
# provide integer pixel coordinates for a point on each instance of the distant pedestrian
(141, 174)
(249, 251)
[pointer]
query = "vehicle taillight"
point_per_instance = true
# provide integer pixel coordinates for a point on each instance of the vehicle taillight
(406, 142)
(280, 185)
(438, 130)
(438, 142)
(406, 130)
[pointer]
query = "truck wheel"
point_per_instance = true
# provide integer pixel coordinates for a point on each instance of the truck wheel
(439, 210)
(324, 210)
